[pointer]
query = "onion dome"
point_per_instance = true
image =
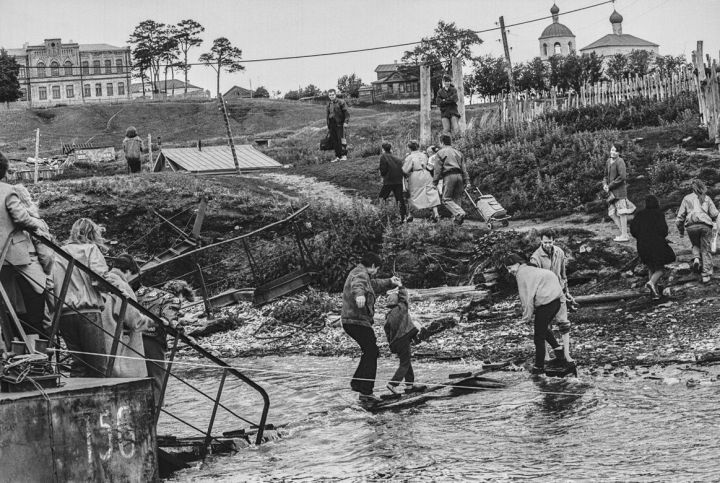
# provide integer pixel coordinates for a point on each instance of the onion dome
(616, 17)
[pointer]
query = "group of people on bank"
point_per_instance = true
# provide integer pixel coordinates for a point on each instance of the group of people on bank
(32, 275)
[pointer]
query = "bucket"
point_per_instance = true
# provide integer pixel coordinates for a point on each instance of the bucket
(18, 347)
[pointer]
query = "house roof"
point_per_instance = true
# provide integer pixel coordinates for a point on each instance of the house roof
(619, 40)
(93, 47)
(177, 84)
(396, 77)
(238, 88)
(556, 30)
(217, 159)
(387, 67)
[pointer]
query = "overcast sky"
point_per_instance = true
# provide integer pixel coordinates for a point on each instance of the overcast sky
(273, 28)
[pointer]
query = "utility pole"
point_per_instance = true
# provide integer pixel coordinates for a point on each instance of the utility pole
(507, 54)
(229, 134)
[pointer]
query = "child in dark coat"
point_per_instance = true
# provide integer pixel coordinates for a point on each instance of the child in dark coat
(400, 330)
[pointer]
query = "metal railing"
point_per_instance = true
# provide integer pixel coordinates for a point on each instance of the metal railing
(177, 333)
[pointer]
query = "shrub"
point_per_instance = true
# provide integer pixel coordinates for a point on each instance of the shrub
(667, 171)
(44, 114)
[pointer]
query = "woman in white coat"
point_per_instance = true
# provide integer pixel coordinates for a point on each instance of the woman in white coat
(423, 193)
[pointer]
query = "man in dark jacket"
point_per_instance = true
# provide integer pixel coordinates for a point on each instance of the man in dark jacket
(337, 116)
(446, 99)
(392, 175)
(358, 310)
(450, 167)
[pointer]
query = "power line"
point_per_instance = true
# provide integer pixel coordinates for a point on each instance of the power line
(366, 49)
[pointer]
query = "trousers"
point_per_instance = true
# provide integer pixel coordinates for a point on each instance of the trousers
(542, 333)
(364, 378)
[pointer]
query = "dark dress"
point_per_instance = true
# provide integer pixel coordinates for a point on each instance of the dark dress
(650, 229)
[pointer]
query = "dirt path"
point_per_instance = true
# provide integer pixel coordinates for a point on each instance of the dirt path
(314, 189)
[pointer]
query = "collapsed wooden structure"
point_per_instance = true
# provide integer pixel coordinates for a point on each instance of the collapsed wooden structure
(708, 91)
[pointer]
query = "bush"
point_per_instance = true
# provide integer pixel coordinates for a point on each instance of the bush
(632, 114)
(667, 171)
(44, 114)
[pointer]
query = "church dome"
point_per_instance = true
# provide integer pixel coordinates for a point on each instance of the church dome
(554, 9)
(556, 30)
(616, 17)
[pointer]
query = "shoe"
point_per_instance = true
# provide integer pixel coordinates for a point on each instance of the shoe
(343, 158)
(622, 238)
(557, 364)
(706, 279)
(653, 291)
(369, 398)
(394, 389)
(335, 160)
(537, 371)
(409, 219)
(696, 265)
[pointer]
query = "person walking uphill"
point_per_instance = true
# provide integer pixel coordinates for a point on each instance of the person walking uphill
(133, 148)
(540, 294)
(337, 116)
(698, 216)
(358, 310)
(446, 99)
(423, 194)
(450, 168)
(650, 229)
(615, 185)
(392, 175)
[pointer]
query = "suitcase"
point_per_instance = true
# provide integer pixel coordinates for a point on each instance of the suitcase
(490, 210)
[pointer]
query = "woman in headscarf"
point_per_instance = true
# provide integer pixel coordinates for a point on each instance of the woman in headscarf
(133, 148)
(697, 215)
(423, 193)
(650, 229)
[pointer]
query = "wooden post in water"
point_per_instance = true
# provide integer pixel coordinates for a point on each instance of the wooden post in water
(457, 75)
(425, 101)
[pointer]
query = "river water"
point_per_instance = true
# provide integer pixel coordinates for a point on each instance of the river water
(603, 428)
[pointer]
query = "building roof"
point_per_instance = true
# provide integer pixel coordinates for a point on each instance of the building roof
(619, 40)
(178, 84)
(15, 52)
(556, 29)
(396, 77)
(387, 67)
(217, 159)
(95, 47)
(241, 89)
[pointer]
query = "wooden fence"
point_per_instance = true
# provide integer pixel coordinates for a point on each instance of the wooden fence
(652, 86)
(708, 90)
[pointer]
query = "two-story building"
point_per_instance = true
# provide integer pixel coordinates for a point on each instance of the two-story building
(395, 83)
(70, 73)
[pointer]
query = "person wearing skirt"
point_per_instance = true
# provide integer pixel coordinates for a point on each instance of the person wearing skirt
(423, 194)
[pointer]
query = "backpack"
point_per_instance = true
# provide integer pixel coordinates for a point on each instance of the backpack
(132, 148)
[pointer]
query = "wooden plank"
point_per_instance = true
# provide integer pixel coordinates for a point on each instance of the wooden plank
(460, 87)
(425, 101)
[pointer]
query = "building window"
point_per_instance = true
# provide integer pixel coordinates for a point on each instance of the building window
(55, 69)
(98, 90)
(96, 67)
(56, 92)
(86, 90)
(558, 48)
(545, 50)
(109, 89)
(108, 66)
(570, 47)
(40, 69)
(85, 67)
(121, 89)
(390, 87)
(401, 87)
(68, 68)
(42, 93)
(69, 91)
(118, 66)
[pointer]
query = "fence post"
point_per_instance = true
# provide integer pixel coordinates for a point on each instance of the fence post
(37, 153)
(460, 86)
(425, 100)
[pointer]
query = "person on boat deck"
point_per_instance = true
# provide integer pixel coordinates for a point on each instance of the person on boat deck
(540, 293)
(164, 303)
(551, 257)
(400, 330)
(358, 309)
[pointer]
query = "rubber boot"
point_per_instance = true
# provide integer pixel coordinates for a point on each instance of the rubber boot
(566, 347)
(559, 362)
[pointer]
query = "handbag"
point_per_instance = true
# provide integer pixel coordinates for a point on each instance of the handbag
(326, 143)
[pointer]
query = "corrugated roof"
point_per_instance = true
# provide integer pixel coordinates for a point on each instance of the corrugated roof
(387, 67)
(219, 158)
(92, 47)
(179, 85)
(622, 40)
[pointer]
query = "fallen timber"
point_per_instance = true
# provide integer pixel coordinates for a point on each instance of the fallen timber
(456, 385)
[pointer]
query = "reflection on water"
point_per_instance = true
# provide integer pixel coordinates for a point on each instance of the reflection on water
(561, 429)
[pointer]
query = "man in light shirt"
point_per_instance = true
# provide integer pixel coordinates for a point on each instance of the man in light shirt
(540, 294)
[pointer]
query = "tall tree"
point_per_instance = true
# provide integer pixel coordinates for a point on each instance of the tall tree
(169, 52)
(489, 76)
(9, 84)
(349, 85)
(222, 55)
(591, 68)
(617, 67)
(149, 40)
(639, 62)
(188, 36)
(261, 92)
(532, 76)
(448, 41)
